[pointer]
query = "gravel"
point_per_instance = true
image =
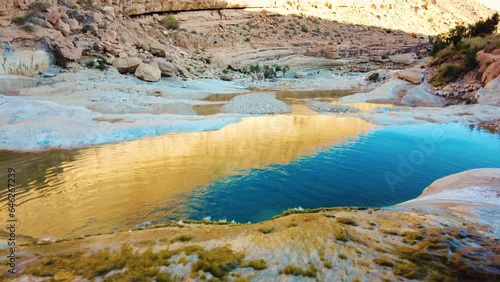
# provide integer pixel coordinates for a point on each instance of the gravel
(323, 107)
(256, 104)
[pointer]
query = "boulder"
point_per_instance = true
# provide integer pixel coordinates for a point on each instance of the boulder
(226, 77)
(403, 59)
(14, 82)
(127, 65)
(490, 94)
(420, 96)
(167, 68)
(148, 72)
(410, 76)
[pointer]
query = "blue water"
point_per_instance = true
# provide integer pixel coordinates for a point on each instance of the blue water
(388, 166)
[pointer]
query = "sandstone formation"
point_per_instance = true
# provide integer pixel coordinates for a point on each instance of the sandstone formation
(489, 63)
(410, 76)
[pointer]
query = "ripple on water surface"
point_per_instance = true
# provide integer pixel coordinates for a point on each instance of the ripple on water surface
(247, 171)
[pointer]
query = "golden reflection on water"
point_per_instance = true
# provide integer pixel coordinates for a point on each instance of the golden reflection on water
(120, 185)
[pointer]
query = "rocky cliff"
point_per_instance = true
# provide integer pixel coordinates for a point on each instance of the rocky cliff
(378, 11)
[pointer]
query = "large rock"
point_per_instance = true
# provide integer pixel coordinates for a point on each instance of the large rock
(147, 72)
(127, 65)
(419, 96)
(410, 76)
(403, 59)
(14, 82)
(489, 65)
(167, 68)
(475, 185)
(490, 95)
(389, 92)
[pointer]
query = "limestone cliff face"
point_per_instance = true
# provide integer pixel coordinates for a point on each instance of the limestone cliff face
(138, 7)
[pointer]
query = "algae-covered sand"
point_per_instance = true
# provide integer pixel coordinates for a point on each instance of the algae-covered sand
(438, 239)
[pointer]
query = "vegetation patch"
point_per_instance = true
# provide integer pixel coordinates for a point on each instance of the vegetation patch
(219, 261)
(455, 52)
(182, 238)
(446, 73)
(169, 22)
(340, 234)
(299, 271)
(258, 264)
(348, 221)
(407, 270)
(383, 261)
(266, 230)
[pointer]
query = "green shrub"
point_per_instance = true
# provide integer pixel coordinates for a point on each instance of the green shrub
(298, 271)
(383, 262)
(218, 261)
(89, 64)
(258, 264)
(460, 32)
(20, 20)
(374, 77)
(469, 48)
(304, 28)
(483, 28)
(266, 230)
(348, 221)
(447, 73)
(169, 22)
(182, 238)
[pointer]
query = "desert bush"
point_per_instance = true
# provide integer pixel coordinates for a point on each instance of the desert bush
(170, 22)
(447, 73)
(374, 77)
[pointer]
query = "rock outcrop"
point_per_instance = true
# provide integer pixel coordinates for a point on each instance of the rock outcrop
(489, 63)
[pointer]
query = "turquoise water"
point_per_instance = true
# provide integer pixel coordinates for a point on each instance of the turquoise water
(386, 167)
(247, 171)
